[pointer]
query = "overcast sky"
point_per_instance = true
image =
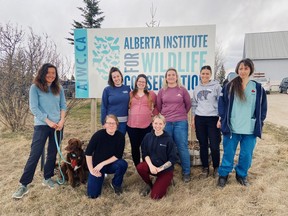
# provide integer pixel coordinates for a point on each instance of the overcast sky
(232, 18)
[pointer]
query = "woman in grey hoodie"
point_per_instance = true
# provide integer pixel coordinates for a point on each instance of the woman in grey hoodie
(205, 119)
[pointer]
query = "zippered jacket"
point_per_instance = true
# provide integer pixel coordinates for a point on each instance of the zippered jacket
(225, 105)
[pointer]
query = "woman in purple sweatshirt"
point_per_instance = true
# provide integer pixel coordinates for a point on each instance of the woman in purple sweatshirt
(174, 103)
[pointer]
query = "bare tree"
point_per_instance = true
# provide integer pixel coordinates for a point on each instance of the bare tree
(20, 58)
(153, 22)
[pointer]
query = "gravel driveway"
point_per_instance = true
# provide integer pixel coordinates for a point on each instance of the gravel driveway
(278, 109)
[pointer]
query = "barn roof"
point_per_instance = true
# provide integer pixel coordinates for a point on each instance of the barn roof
(266, 45)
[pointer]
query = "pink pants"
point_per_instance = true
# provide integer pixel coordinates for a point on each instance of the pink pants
(161, 184)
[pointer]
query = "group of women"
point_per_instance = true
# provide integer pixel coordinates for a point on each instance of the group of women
(239, 109)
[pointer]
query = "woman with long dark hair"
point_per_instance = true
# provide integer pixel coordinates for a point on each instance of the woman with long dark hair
(242, 108)
(142, 107)
(48, 105)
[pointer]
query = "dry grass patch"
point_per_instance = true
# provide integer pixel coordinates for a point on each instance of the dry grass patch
(267, 194)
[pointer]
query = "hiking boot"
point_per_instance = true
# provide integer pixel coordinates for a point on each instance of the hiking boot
(215, 172)
(205, 172)
(117, 190)
(146, 190)
(22, 190)
(49, 183)
(222, 180)
(186, 178)
(242, 180)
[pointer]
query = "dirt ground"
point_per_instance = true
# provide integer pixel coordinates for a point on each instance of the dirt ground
(277, 109)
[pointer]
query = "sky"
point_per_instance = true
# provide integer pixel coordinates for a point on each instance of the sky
(233, 19)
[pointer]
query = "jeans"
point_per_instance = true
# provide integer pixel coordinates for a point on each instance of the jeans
(136, 136)
(247, 145)
(163, 180)
(209, 136)
(122, 127)
(94, 186)
(41, 133)
(179, 132)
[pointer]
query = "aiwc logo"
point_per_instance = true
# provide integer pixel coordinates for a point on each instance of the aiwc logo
(106, 54)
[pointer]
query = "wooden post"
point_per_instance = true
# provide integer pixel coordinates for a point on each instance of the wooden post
(93, 115)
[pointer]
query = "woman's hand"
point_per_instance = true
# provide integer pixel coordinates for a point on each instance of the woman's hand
(160, 169)
(60, 125)
(51, 123)
(153, 169)
(218, 125)
(96, 170)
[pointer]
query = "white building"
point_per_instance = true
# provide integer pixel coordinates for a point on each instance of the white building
(269, 52)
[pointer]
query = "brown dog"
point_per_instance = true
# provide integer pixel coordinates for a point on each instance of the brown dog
(75, 172)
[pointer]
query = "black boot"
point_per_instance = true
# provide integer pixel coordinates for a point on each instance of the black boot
(222, 180)
(242, 180)
(205, 172)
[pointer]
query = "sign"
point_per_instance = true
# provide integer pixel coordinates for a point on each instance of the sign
(141, 50)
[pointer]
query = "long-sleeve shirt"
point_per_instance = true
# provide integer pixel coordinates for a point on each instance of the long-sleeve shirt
(103, 146)
(205, 99)
(141, 111)
(160, 149)
(46, 105)
(174, 103)
(115, 100)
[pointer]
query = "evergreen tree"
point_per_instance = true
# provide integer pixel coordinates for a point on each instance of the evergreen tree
(92, 19)
(221, 75)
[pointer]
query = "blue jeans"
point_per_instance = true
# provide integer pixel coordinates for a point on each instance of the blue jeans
(179, 132)
(122, 127)
(41, 133)
(94, 186)
(247, 145)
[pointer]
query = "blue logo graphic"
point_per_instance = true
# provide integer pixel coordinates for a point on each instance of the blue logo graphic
(106, 54)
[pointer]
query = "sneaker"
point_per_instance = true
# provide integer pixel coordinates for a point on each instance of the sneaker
(48, 182)
(186, 178)
(146, 190)
(242, 180)
(22, 190)
(117, 190)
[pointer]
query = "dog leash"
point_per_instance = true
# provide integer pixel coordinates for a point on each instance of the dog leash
(61, 156)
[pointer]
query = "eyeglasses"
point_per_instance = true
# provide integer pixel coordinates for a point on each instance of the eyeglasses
(143, 82)
(110, 123)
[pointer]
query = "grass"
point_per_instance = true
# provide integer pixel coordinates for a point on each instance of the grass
(267, 194)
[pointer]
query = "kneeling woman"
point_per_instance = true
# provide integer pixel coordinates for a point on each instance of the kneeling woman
(104, 155)
(159, 157)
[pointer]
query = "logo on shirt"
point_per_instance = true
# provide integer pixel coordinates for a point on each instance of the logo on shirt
(125, 92)
(164, 145)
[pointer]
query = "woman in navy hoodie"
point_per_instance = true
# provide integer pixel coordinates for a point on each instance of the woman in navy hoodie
(242, 108)
(159, 156)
